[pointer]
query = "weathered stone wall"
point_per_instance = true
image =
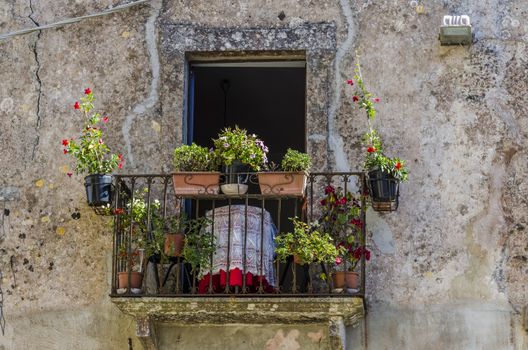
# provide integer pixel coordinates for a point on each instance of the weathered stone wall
(450, 267)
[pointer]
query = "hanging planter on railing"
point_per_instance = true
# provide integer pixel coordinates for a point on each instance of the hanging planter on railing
(384, 173)
(384, 191)
(93, 156)
(292, 180)
(195, 173)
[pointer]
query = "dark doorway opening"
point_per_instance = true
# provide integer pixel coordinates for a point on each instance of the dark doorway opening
(266, 98)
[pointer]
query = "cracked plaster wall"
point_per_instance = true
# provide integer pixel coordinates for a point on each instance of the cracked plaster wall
(453, 257)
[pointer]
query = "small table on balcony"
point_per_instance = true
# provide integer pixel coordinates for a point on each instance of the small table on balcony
(243, 247)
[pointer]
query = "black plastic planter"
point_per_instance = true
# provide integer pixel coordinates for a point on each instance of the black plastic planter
(98, 190)
(384, 191)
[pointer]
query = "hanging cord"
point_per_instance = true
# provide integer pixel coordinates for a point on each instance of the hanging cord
(72, 20)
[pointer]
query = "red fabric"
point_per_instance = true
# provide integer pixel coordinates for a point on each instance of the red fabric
(235, 280)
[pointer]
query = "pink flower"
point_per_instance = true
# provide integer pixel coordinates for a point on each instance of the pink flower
(329, 189)
(338, 260)
(105, 119)
(376, 99)
(120, 165)
(350, 82)
(69, 174)
(100, 141)
(323, 202)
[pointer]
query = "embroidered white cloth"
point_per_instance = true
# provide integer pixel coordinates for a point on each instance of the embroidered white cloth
(255, 226)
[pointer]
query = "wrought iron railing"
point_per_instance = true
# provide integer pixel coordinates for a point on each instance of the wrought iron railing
(242, 260)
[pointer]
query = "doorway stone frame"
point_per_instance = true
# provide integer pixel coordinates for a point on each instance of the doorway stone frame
(314, 42)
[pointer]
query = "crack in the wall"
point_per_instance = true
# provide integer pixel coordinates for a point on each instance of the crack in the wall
(151, 38)
(335, 141)
(39, 82)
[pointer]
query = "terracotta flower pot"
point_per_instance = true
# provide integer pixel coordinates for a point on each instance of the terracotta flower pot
(136, 278)
(282, 183)
(174, 243)
(192, 183)
(297, 260)
(338, 278)
(352, 280)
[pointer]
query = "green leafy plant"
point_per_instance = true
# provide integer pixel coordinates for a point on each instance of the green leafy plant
(90, 152)
(375, 158)
(194, 158)
(296, 161)
(236, 144)
(199, 246)
(306, 242)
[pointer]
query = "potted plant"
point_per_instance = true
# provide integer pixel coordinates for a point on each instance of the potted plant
(175, 237)
(199, 246)
(239, 153)
(134, 259)
(341, 218)
(384, 173)
(195, 171)
(92, 155)
(291, 180)
(307, 244)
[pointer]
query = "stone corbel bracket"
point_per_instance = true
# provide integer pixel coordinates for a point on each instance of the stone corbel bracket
(336, 312)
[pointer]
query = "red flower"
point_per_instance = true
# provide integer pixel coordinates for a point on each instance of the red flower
(120, 165)
(376, 99)
(323, 202)
(65, 151)
(105, 119)
(357, 222)
(355, 98)
(120, 156)
(371, 149)
(398, 165)
(87, 91)
(329, 189)
(119, 211)
(342, 201)
(77, 105)
(100, 141)
(367, 254)
(65, 142)
(350, 82)
(69, 174)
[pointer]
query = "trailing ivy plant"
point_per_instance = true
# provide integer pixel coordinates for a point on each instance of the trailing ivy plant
(306, 242)
(91, 153)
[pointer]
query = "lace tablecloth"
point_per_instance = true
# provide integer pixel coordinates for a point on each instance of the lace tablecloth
(238, 234)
